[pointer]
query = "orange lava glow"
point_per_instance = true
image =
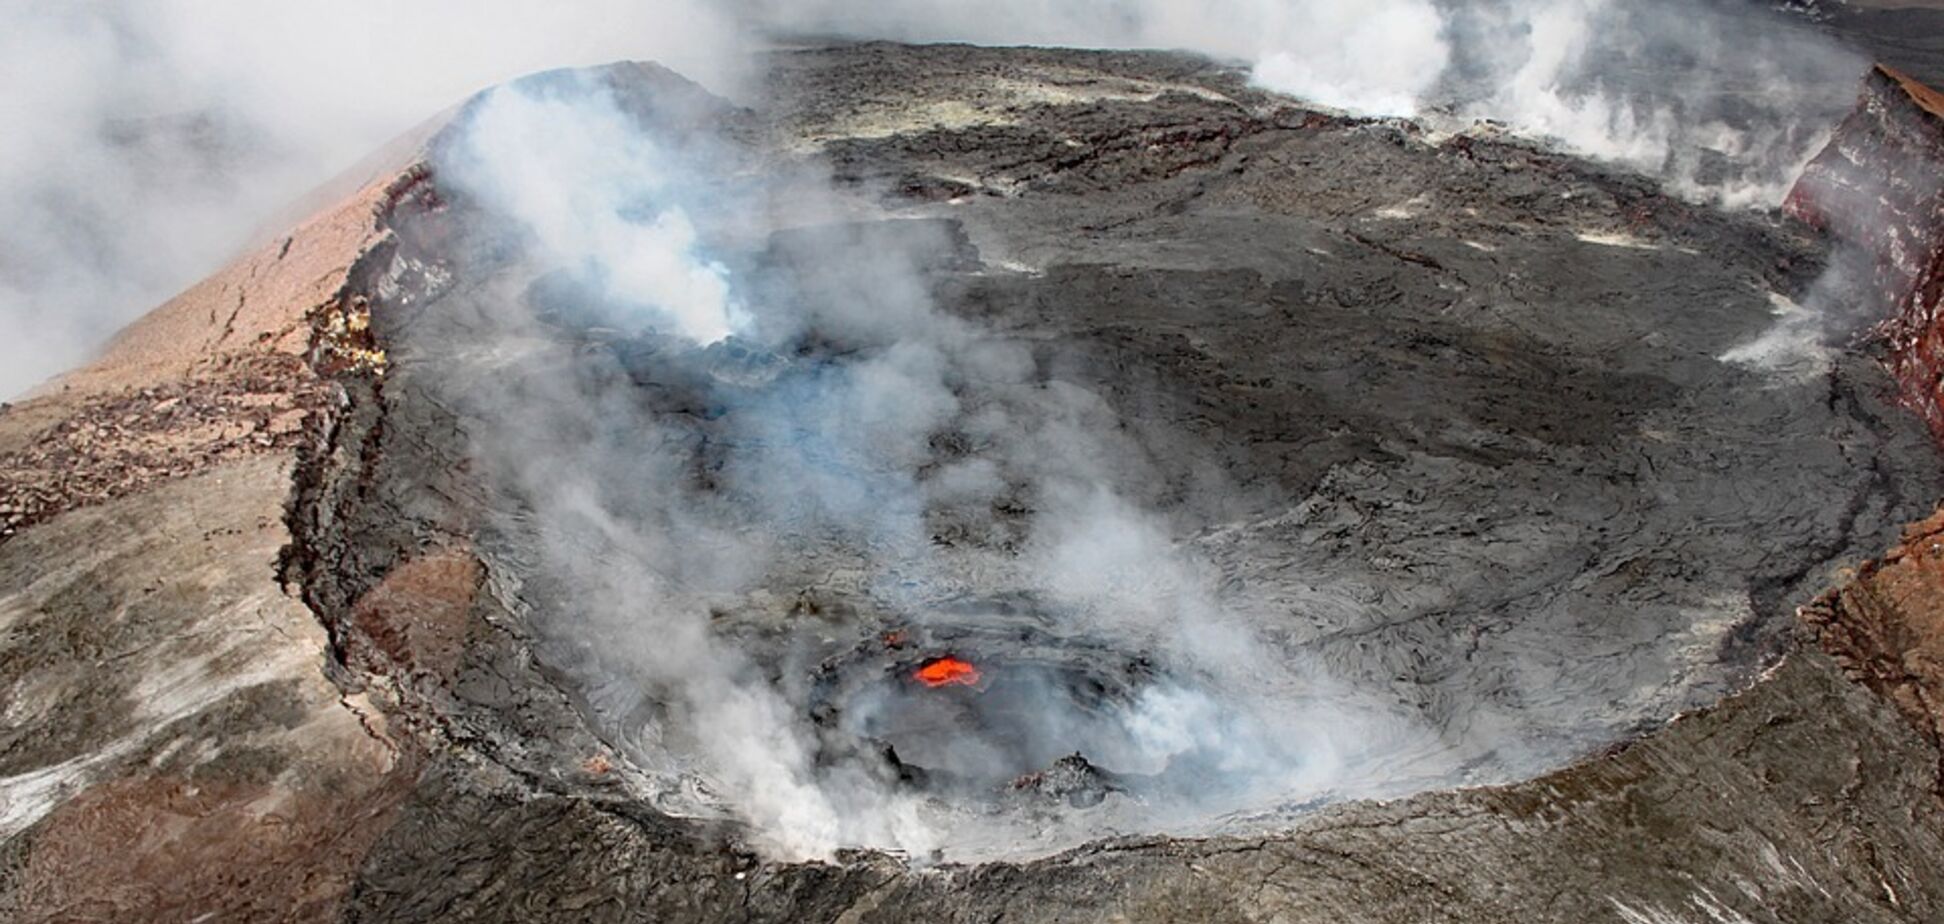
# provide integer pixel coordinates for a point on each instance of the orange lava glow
(947, 671)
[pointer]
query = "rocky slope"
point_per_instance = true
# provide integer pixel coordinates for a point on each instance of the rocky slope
(171, 744)
(1491, 464)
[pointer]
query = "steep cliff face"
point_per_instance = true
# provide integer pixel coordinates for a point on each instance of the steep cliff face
(1879, 187)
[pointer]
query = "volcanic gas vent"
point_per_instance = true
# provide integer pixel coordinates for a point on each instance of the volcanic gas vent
(987, 710)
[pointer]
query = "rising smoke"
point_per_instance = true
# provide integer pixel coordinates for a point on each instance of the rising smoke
(1376, 57)
(149, 140)
(1865, 206)
(735, 415)
(1722, 102)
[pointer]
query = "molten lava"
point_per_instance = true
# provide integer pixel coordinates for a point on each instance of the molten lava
(947, 671)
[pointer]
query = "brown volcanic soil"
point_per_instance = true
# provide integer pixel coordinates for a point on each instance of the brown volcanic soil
(226, 370)
(1477, 384)
(1885, 626)
(171, 744)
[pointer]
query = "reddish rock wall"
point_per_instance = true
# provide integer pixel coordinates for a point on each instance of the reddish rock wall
(1879, 185)
(1885, 626)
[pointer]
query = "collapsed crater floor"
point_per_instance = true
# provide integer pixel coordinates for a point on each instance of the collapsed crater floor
(1459, 446)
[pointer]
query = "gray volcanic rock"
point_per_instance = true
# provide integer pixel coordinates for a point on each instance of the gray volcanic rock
(1905, 34)
(1471, 429)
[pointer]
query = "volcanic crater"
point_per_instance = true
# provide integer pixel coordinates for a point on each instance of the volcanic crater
(1309, 455)
(1144, 492)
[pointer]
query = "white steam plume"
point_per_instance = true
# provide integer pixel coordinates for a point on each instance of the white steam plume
(579, 183)
(1724, 103)
(1376, 57)
(826, 461)
(149, 140)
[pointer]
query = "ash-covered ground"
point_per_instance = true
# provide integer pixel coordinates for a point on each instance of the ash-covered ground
(1265, 458)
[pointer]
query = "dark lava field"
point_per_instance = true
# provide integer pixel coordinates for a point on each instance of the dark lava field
(1265, 459)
